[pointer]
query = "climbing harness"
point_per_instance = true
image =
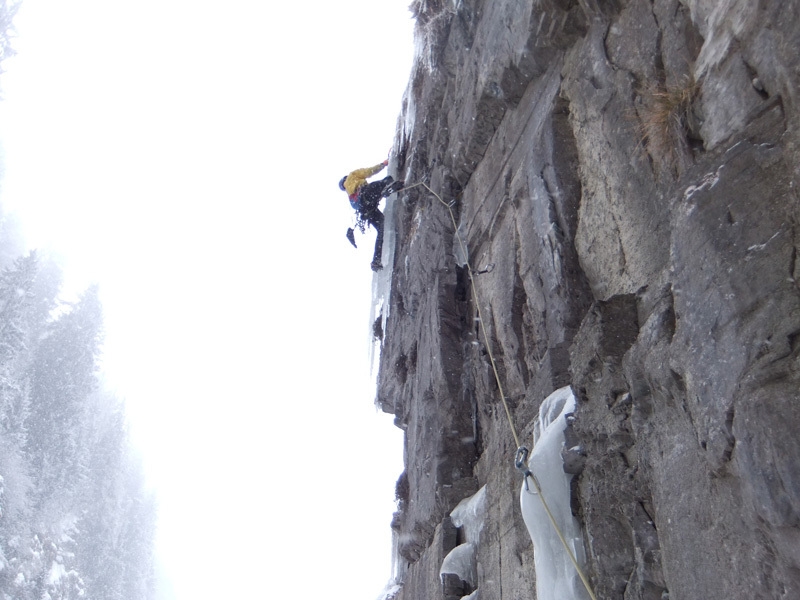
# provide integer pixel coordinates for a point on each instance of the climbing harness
(364, 212)
(521, 456)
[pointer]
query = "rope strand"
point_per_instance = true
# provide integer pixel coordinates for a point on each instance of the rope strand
(572, 558)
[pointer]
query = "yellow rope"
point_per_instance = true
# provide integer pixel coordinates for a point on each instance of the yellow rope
(478, 307)
(502, 394)
(574, 560)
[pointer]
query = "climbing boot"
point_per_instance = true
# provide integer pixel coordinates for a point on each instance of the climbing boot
(393, 187)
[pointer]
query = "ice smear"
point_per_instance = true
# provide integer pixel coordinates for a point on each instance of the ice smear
(459, 249)
(556, 577)
(382, 282)
(399, 570)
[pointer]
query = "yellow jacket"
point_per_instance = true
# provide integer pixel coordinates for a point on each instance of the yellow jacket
(358, 178)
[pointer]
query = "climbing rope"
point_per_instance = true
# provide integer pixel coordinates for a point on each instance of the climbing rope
(522, 452)
(521, 462)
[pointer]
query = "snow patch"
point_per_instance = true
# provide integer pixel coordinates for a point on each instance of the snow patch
(389, 592)
(759, 247)
(709, 181)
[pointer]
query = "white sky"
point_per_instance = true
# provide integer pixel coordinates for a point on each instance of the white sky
(185, 155)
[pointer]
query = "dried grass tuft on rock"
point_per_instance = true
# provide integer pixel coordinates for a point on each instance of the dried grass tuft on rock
(667, 124)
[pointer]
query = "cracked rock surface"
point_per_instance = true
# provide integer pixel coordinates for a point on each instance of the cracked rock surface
(629, 169)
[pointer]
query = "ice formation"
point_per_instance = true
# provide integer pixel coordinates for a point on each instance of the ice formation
(556, 576)
(469, 516)
(461, 561)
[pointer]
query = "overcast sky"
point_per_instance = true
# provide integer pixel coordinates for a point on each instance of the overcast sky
(185, 155)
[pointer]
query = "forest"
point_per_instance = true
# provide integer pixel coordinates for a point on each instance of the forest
(76, 517)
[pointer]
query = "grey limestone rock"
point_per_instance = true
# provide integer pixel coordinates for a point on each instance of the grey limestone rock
(630, 169)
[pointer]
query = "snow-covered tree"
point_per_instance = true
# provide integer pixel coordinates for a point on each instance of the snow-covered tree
(16, 283)
(16, 299)
(75, 519)
(62, 377)
(8, 9)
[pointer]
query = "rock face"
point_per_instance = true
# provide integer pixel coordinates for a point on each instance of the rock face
(626, 173)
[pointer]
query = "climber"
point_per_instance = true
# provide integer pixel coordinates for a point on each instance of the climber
(364, 198)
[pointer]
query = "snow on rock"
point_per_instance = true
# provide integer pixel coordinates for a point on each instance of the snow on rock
(389, 592)
(556, 577)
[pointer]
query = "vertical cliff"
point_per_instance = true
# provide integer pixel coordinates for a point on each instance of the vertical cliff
(626, 173)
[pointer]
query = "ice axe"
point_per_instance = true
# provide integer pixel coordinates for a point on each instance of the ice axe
(351, 237)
